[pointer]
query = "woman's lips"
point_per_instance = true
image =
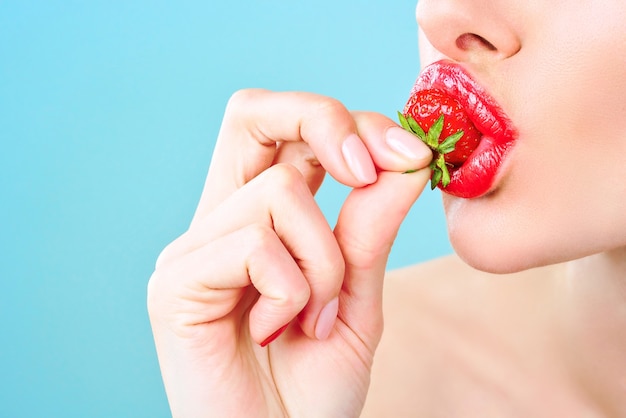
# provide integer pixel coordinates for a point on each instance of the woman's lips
(476, 176)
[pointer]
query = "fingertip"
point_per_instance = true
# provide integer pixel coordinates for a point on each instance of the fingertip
(326, 319)
(408, 146)
(391, 147)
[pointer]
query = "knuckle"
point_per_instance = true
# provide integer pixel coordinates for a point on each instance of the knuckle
(325, 119)
(328, 271)
(355, 248)
(293, 299)
(328, 108)
(241, 98)
(298, 299)
(334, 268)
(263, 247)
(259, 237)
(285, 178)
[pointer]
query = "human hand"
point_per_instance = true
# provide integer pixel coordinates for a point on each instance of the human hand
(259, 256)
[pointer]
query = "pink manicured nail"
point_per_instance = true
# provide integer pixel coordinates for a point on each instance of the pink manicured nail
(326, 320)
(274, 335)
(358, 159)
(407, 144)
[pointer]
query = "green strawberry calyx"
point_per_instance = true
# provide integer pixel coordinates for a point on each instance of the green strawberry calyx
(431, 138)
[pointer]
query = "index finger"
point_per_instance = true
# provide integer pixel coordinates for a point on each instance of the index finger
(256, 121)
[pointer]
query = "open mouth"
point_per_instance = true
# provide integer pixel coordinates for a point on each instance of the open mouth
(475, 176)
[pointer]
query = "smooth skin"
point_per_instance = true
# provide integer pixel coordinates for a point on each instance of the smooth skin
(526, 319)
(259, 255)
(547, 338)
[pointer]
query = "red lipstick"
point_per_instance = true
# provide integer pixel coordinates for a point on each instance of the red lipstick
(475, 177)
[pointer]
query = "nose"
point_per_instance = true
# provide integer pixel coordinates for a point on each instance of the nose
(469, 30)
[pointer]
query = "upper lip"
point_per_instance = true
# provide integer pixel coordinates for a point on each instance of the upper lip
(481, 108)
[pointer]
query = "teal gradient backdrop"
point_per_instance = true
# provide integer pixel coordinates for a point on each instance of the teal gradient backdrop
(108, 114)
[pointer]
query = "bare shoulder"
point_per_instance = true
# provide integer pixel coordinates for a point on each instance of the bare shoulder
(455, 336)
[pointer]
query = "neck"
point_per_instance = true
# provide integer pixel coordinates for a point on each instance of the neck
(593, 315)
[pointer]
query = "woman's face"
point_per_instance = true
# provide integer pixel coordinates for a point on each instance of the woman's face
(558, 70)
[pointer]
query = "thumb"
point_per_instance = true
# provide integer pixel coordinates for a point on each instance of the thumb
(366, 229)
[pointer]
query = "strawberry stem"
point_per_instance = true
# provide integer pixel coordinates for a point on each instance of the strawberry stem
(439, 167)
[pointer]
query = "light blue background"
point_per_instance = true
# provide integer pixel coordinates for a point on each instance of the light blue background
(108, 113)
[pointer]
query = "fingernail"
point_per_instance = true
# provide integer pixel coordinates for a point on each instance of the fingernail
(326, 320)
(358, 159)
(274, 335)
(407, 144)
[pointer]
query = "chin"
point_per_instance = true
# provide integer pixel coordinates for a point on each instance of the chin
(505, 259)
(485, 237)
(489, 245)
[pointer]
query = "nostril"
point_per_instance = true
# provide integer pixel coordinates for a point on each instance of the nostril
(471, 41)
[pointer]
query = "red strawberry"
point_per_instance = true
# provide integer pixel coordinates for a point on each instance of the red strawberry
(441, 122)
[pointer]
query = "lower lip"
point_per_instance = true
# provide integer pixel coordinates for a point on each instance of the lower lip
(477, 175)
